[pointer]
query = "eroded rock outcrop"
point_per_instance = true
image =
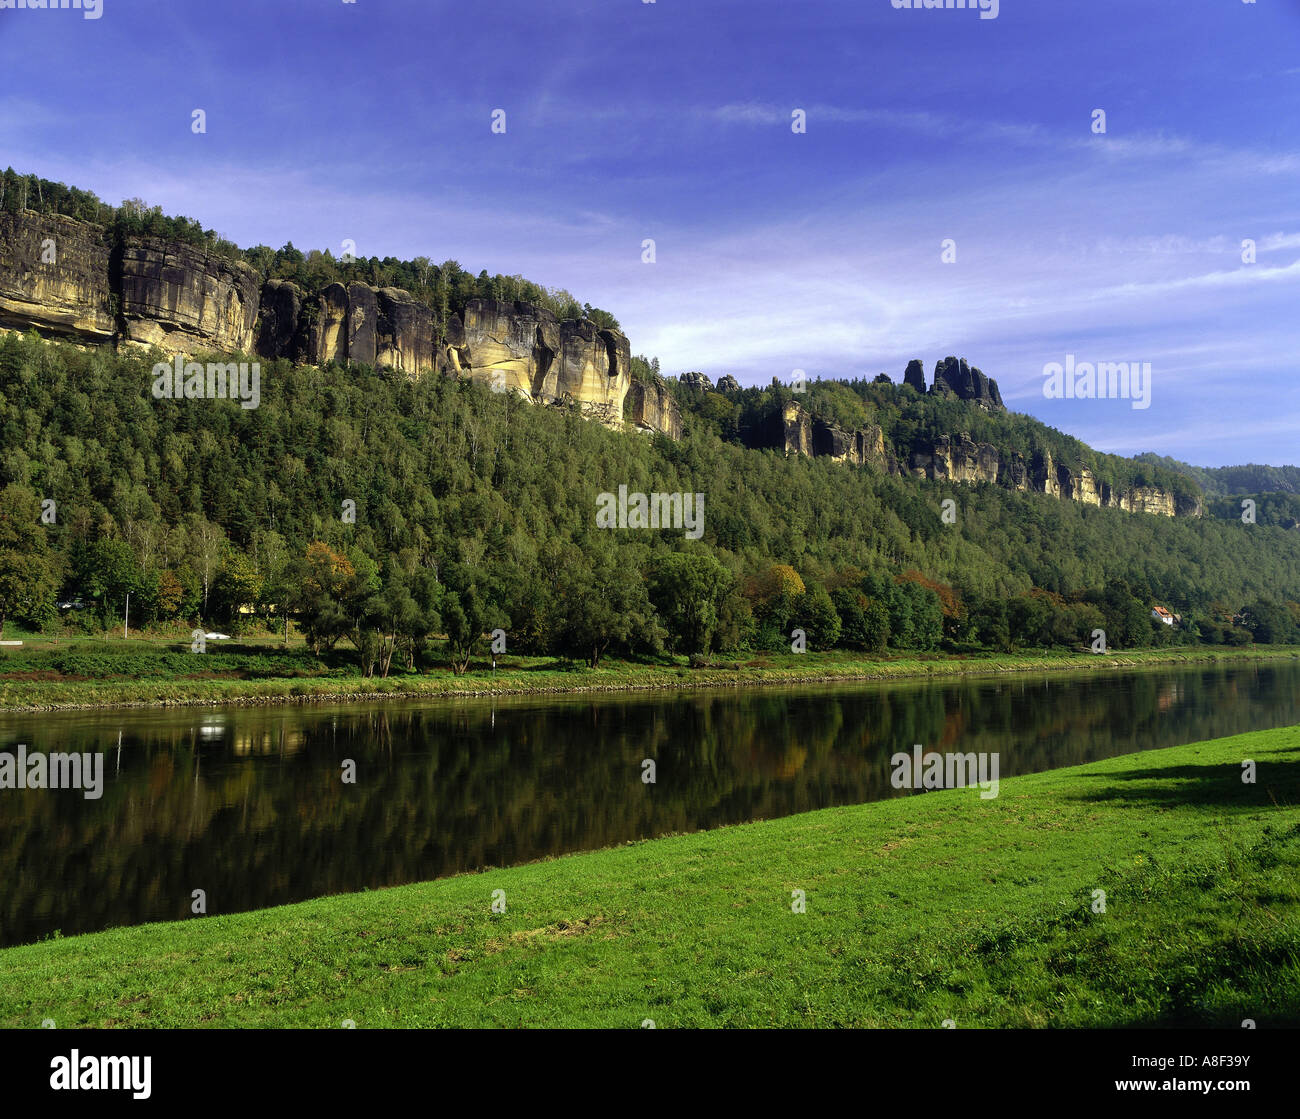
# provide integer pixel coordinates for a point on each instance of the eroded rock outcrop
(281, 310)
(511, 345)
(795, 432)
(595, 370)
(650, 407)
(181, 298)
(327, 331)
(524, 348)
(404, 334)
(362, 323)
(953, 377)
(66, 277)
(54, 276)
(959, 458)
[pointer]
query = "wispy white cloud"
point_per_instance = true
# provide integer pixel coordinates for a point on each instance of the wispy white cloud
(1115, 144)
(1245, 276)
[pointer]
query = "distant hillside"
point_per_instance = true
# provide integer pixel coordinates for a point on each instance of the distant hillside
(956, 430)
(1226, 481)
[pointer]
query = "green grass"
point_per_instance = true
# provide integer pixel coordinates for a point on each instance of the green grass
(142, 673)
(920, 909)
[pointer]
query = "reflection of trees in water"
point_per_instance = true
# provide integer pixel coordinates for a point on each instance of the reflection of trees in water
(257, 814)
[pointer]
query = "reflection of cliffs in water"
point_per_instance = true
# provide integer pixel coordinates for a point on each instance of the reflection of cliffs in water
(250, 806)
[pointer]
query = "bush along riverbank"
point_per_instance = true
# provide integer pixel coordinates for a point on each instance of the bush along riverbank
(121, 674)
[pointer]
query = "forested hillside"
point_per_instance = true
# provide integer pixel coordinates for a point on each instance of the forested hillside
(911, 420)
(1226, 481)
(474, 510)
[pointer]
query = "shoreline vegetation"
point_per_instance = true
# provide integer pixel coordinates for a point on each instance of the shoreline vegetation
(1156, 889)
(547, 676)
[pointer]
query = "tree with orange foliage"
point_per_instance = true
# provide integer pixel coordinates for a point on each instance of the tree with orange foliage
(774, 594)
(324, 581)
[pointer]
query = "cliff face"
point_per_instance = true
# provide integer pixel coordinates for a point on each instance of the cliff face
(956, 460)
(960, 459)
(797, 433)
(595, 369)
(526, 349)
(404, 336)
(651, 407)
(67, 295)
(178, 297)
(515, 341)
(64, 277)
(277, 334)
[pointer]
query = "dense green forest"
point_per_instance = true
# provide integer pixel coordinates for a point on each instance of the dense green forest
(445, 287)
(476, 511)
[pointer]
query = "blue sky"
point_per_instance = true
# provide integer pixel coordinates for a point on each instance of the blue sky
(775, 251)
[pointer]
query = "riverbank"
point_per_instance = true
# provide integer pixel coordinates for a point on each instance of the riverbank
(1154, 889)
(545, 676)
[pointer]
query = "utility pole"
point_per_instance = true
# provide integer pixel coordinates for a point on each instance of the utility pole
(127, 614)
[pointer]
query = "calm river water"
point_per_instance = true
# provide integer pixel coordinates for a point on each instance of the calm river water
(249, 804)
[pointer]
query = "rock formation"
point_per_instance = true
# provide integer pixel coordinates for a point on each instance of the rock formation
(404, 334)
(69, 294)
(694, 380)
(277, 333)
(960, 459)
(327, 333)
(525, 349)
(651, 407)
(728, 383)
(595, 369)
(179, 297)
(511, 345)
(795, 432)
(956, 378)
(65, 277)
(956, 460)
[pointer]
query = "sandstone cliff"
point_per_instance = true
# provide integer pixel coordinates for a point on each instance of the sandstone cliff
(404, 334)
(524, 348)
(181, 298)
(651, 407)
(794, 431)
(65, 277)
(277, 334)
(68, 294)
(957, 458)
